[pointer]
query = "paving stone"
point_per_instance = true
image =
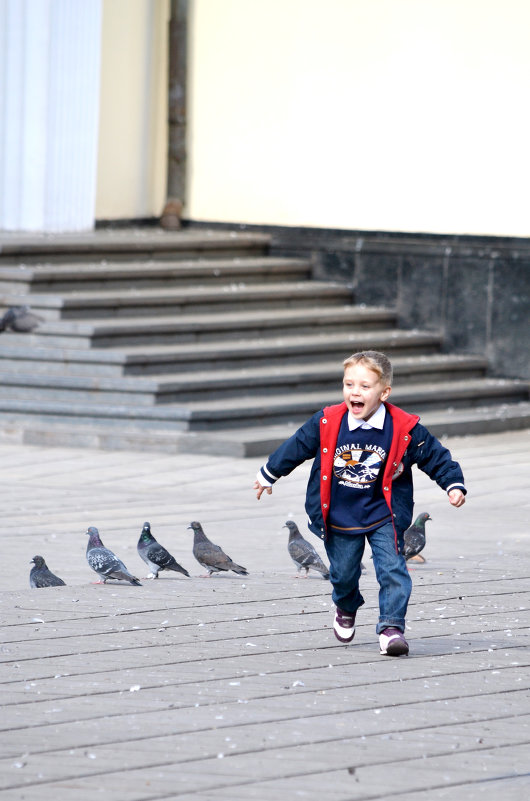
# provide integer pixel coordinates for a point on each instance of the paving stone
(138, 691)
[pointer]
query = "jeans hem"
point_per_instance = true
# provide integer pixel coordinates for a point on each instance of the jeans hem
(394, 624)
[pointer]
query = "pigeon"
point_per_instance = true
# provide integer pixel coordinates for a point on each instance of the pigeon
(414, 538)
(41, 576)
(155, 555)
(20, 319)
(104, 562)
(211, 556)
(302, 552)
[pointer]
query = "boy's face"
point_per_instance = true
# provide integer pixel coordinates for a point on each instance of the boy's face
(363, 391)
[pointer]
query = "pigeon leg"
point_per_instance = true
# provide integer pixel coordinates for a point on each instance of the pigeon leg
(418, 558)
(299, 573)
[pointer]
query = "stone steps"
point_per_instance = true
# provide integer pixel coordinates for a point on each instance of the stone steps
(251, 382)
(210, 300)
(255, 441)
(108, 275)
(141, 244)
(213, 327)
(196, 341)
(214, 354)
(210, 413)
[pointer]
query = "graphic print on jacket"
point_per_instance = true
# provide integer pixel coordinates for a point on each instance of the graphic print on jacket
(357, 502)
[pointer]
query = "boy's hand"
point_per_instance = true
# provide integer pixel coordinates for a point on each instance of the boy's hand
(260, 489)
(457, 498)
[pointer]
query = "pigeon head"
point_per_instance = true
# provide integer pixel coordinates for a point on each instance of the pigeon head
(198, 532)
(293, 529)
(94, 540)
(422, 519)
(146, 535)
(38, 561)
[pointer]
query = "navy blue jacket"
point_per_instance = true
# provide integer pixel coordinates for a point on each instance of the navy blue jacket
(411, 444)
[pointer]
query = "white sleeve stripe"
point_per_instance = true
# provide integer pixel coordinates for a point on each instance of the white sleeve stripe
(458, 485)
(262, 480)
(268, 475)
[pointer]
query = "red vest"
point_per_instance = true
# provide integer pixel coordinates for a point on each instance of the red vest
(403, 423)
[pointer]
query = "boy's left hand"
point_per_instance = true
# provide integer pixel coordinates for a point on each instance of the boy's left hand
(456, 498)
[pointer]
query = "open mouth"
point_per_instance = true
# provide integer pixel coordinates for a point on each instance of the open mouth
(357, 406)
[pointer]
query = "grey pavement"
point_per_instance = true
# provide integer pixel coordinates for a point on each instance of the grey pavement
(234, 687)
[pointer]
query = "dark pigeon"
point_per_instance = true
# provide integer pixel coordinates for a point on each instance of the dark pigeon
(41, 576)
(20, 319)
(104, 562)
(211, 556)
(303, 553)
(414, 538)
(155, 555)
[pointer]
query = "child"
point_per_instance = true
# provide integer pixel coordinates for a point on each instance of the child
(361, 486)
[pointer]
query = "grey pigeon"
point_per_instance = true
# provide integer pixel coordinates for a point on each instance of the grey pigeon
(414, 538)
(104, 562)
(211, 556)
(20, 319)
(41, 576)
(303, 553)
(155, 555)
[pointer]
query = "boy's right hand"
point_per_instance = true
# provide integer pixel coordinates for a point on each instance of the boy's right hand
(260, 489)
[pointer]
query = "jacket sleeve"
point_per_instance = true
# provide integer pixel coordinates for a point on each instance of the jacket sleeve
(303, 445)
(435, 460)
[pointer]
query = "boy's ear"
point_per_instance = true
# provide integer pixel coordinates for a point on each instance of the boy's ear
(386, 393)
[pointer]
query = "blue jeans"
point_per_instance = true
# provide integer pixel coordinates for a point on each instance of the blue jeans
(395, 585)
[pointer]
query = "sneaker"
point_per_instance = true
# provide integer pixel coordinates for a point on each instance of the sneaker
(344, 625)
(393, 643)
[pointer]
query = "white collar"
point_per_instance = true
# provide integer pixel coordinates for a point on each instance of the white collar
(377, 420)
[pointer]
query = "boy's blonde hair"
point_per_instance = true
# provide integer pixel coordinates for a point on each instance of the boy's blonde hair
(375, 361)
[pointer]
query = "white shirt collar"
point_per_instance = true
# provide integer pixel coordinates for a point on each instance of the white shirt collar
(377, 420)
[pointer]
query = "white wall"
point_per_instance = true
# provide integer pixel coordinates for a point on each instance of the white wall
(368, 114)
(49, 92)
(131, 181)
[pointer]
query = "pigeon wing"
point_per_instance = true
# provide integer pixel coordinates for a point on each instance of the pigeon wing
(103, 561)
(414, 542)
(107, 565)
(161, 558)
(302, 552)
(44, 577)
(211, 556)
(304, 555)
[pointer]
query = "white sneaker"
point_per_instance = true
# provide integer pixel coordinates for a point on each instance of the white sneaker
(344, 625)
(392, 642)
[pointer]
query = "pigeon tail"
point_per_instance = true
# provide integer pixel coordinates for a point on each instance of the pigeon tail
(242, 571)
(126, 576)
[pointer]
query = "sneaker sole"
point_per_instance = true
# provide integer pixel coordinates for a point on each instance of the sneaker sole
(396, 649)
(343, 639)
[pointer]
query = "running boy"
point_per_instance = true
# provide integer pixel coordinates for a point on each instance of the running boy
(360, 487)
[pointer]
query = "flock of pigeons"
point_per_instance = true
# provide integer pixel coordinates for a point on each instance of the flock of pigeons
(210, 556)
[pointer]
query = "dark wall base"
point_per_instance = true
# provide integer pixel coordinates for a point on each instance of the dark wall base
(475, 289)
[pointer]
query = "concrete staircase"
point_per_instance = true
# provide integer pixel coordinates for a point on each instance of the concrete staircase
(200, 341)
